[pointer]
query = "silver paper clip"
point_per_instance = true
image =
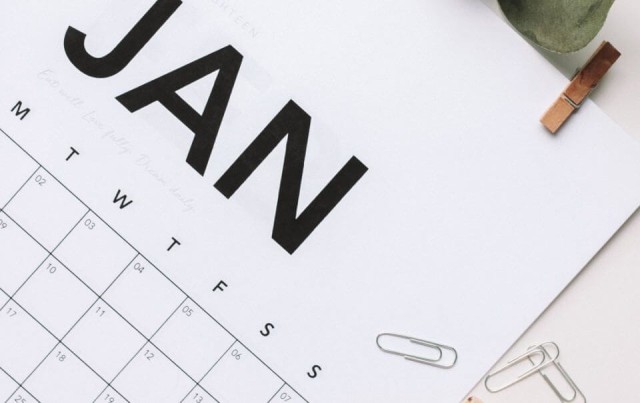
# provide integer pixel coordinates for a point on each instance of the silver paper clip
(538, 352)
(541, 358)
(575, 390)
(438, 349)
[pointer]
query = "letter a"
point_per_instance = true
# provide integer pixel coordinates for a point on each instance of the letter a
(205, 127)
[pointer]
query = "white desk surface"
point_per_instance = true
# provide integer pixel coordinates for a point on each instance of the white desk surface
(596, 320)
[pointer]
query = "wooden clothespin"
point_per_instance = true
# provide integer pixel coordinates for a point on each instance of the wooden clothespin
(580, 87)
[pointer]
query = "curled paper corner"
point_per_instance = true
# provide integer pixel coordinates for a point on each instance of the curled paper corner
(561, 26)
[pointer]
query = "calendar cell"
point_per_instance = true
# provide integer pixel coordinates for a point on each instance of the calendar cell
(55, 297)
(206, 340)
(19, 255)
(198, 395)
(110, 395)
(7, 385)
(22, 396)
(151, 377)
(144, 296)
(15, 169)
(104, 340)
(62, 377)
(45, 209)
(286, 394)
(240, 377)
(95, 253)
(24, 342)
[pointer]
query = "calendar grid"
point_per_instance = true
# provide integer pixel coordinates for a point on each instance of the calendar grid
(16, 381)
(50, 253)
(23, 185)
(147, 342)
(99, 298)
(58, 343)
(209, 370)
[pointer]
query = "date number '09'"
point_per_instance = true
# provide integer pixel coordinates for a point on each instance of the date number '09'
(3, 224)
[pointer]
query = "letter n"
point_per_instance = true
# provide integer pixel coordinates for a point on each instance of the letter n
(205, 127)
(288, 230)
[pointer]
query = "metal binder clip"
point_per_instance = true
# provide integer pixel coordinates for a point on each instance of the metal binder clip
(438, 349)
(540, 353)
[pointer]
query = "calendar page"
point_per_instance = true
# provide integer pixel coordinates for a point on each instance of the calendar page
(228, 201)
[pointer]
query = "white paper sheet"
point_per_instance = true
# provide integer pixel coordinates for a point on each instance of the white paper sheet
(468, 222)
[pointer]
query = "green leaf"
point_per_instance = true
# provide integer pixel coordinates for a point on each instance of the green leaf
(558, 25)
